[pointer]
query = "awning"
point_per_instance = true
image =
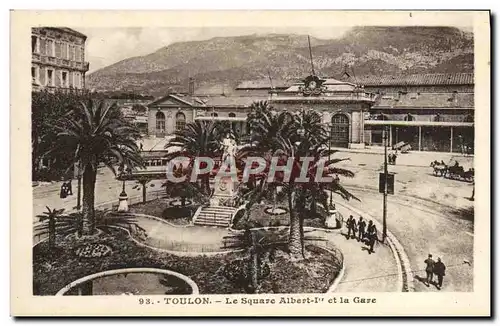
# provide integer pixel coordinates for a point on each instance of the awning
(417, 123)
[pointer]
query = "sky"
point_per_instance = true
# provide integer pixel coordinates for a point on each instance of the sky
(106, 46)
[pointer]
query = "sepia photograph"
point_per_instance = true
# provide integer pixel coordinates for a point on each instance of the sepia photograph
(300, 165)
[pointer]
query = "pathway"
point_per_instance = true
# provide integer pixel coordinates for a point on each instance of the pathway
(364, 272)
(422, 230)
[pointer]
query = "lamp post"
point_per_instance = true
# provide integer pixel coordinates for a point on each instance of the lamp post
(329, 153)
(384, 220)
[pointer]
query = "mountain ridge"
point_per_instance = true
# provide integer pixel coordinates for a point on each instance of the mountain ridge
(228, 60)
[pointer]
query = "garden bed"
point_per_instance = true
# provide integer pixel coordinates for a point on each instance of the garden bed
(259, 218)
(53, 271)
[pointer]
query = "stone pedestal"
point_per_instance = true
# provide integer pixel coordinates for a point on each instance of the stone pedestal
(223, 189)
(123, 202)
(332, 221)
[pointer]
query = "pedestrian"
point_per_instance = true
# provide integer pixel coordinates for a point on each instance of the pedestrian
(70, 188)
(372, 237)
(361, 229)
(369, 229)
(429, 269)
(439, 270)
(140, 145)
(64, 190)
(351, 227)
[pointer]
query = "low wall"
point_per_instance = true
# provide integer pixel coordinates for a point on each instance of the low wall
(136, 199)
(189, 281)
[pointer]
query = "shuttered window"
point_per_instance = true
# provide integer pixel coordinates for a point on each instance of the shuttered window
(58, 50)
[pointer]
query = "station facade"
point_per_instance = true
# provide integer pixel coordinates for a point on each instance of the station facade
(431, 112)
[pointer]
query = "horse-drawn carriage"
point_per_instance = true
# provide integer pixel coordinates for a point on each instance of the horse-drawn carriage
(453, 171)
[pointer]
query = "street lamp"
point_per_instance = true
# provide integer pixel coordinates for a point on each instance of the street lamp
(384, 220)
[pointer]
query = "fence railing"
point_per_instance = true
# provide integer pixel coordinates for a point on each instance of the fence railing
(111, 205)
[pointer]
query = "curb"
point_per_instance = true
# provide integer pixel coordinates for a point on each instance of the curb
(178, 253)
(405, 275)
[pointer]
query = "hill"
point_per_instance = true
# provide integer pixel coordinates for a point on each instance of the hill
(229, 60)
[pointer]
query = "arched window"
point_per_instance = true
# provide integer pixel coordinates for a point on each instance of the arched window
(180, 121)
(213, 114)
(339, 132)
(469, 118)
(160, 122)
(232, 115)
(409, 117)
(438, 118)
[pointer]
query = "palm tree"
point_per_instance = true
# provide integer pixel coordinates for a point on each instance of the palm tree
(198, 139)
(51, 216)
(295, 137)
(94, 133)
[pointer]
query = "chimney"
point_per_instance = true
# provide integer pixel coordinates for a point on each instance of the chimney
(191, 86)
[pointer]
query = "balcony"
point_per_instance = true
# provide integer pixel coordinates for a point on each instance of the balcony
(59, 62)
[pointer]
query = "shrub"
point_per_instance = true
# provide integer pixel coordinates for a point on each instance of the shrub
(178, 212)
(240, 215)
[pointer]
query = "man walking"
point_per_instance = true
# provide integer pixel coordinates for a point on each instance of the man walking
(439, 270)
(372, 237)
(70, 188)
(351, 227)
(429, 269)
(361, 229)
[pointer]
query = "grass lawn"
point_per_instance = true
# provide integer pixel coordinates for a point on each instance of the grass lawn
(53, 270)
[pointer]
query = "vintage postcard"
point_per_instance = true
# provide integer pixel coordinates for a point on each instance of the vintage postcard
(250, 163)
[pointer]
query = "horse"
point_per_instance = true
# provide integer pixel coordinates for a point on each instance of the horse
(439, 168)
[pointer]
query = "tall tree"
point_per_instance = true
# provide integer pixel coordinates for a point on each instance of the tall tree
(46, 109)
(296, 137)
(198, 139)
(94, 133)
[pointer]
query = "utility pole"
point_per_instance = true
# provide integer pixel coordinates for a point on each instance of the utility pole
(310, 54)
(78, 175)
(329, 153)
(384, 221)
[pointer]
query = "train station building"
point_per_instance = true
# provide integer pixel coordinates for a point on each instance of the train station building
(430, 112)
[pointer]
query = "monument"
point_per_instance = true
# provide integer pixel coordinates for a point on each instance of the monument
(224, 187)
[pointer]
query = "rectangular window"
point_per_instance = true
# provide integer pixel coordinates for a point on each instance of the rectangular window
(72, 52)
(64, 79)
(34, 44)
(34, 75)
(58, 50)
(82, 54)
(76, 80)
(50, 48)
(64, 50)
(77, 53)
(50, 77)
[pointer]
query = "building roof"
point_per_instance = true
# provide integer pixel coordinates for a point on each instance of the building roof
(425, 100)
(413, 80)
(205, 101)
(263, 84)
(70, 31)
(232, 101)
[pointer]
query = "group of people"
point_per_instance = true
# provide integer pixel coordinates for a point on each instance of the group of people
(66, 189)
(434, 268)
(392, 158)
(362, 231)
